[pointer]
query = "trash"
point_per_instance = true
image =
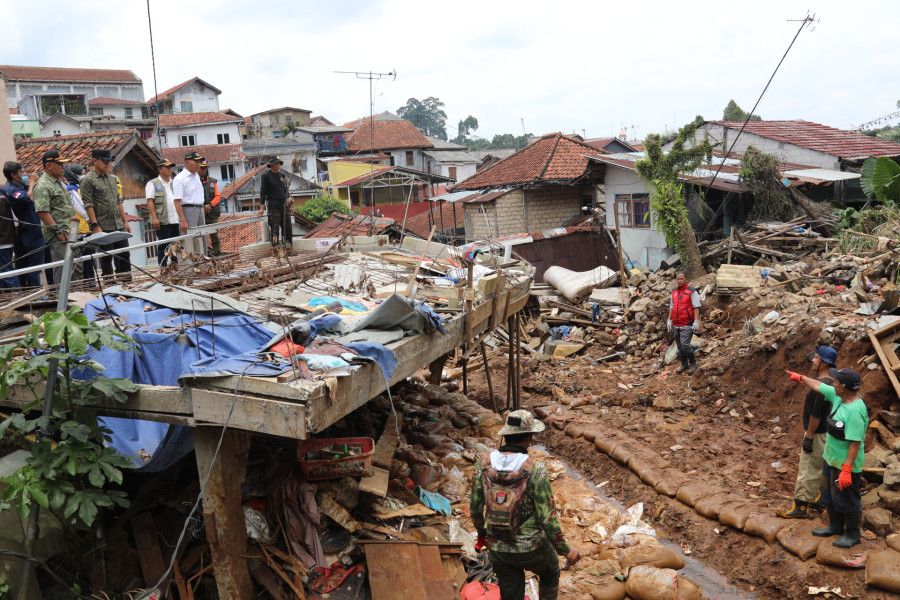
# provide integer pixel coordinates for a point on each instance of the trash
(434, 500)
(771, 317)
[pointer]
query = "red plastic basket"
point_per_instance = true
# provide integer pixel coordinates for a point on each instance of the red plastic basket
(358, 465)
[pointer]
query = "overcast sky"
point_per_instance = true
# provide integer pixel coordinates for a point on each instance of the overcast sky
(567, 66)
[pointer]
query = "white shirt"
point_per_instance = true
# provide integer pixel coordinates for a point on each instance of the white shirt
(188, 188)
(150, 194)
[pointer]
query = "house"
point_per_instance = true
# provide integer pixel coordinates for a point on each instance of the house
(489, 157)
(297, 150)
(115, 113)
(213, 134)
(193, 95)
(24, 127)
(270, 123)
(452, 164)
(804, 142)
(542, 186)
(611, 145)
(134, 162)
(391, 135)
(243, 194)
(319, 121)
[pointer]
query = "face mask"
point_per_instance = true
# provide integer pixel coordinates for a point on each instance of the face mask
(24, 179)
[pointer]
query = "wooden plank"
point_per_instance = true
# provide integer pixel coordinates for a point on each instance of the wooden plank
(413, 510)
(376, 483)
(876, 343)
(147, 546)
(888, 350)
(394, 571)
(151, 402)
(300, 390)
(24, 300)
(440, 590)
(259, 415)
(430, 562)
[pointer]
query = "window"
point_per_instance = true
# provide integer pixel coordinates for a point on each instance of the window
(128, 113)
(276, 121)
(633, 210)
(96, 112)
(187, 106)
(188, 140)
(150, 236)
(287, 118)
(410, 160)
(145, 112)
(227, 171)
(451, 172)
(223, 138)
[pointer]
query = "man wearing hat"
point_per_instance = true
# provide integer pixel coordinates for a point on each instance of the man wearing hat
(30, 235)
(273, 194)
(815, 409)
(161, 206)
(51, 201)
(211, 208)
(188, 192)
(106, 211)
(512, 508)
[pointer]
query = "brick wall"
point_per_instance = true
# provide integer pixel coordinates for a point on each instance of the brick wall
(544, 208)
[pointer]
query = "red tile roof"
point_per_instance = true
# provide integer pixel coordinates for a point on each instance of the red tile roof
(599, 143)
(318, 120)
(446, 216)
(230, 189)
(553, 158)
(76, 148)
(196, 118)
(61, 74)
(337, 225)
(821, 138)
(217, 153)
(172, 90)
(389, 135)
(104, 101)
(233, 238)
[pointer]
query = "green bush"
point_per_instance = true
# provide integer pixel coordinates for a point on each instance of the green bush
(321, 207)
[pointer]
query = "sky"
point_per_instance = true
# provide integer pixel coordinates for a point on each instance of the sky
(586, 67)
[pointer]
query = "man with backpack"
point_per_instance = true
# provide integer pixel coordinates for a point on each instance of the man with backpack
(514, 513)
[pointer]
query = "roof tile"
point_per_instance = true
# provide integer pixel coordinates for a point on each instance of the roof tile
(196, 118)
(62, 74)
(76, 148)
(388, 135)
(445, 217)
(821, 138)
(105, 101)
(337, 225)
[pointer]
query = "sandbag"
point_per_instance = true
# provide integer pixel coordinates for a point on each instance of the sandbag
(574, 430)
(893, 541)
(797, 538)
(542, 412)
(764, 526)
(709, 507)
(650, 458)
(607, 588)
(627, 540)
(444, 449)
(649, 553)
(850, 558)
(651, 476)
(735, 514)
(640, 466)
(692, 491)
(650, 583)
(606, 445)
(592, 432)
(430, 441)
(573, 285)
(622, 454)
(672, 479)
(883, 570)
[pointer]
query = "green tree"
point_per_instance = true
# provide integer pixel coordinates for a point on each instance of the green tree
(661, 170)
(428, 115)
(321, 207)
(733, 112)
(466, 126)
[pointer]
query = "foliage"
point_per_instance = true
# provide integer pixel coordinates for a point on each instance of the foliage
(70, 470)
(467, 125)
(428, 115)
(4, 589)
(880, 180)
(888, 132)
(733, 112)
(501, 141)
(321, 207)
(760, 173)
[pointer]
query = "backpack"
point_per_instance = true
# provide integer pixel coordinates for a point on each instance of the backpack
(504, 495)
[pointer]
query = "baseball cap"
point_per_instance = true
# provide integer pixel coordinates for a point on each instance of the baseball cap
(846, 377)
(521, 421)
(53, 156)
(275, 159)
(102, 154)
(826, 353)
(203, 163)
(194, 156)
(165, 163)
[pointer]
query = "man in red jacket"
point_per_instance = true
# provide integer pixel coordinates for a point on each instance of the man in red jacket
(684, 318)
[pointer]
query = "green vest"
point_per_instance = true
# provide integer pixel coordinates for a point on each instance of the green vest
(159, 200)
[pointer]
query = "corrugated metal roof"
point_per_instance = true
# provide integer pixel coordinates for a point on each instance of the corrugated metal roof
(818, 175)
(453, 156)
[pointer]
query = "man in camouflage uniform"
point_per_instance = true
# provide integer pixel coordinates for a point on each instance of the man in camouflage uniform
(538, 537)
(51, 202)
(211, 208)
(103, 203)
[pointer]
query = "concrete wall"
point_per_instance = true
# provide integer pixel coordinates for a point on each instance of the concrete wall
(400, 159)
(202, 98)
(644, 246)
(64, 126)
(463, 170)
(204, 135)
(15, 91)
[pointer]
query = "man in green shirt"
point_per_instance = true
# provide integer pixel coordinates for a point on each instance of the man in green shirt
(106, 212)
(53, 207)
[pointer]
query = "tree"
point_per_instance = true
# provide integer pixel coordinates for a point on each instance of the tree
(733, 112)
(427, 115)
(466, 126)
(661, 170)
(321, 207)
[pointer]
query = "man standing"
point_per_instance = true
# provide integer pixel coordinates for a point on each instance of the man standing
(51, 201)
(7, 244)
(273, 193)
(188, 191)
(815, 410)
(161, 206)
(106, 211)
(514, 514)
(211, 208)
(29, 239)
(684, 317)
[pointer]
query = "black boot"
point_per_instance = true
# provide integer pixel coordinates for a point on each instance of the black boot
(684, 365)
(798, 510)
(548, 593)
(835, 523)
(692, 358)
(851, 530)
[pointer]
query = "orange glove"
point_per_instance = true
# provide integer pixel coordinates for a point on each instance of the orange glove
(794, 376)
(844, 479)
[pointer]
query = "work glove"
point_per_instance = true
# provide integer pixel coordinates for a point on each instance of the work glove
(480, 543)
(844, 479)
(696, 326)
(794, 376)
(669, 325)
(807, 445)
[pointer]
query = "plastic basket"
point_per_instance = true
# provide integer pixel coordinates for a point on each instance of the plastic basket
(358, 465)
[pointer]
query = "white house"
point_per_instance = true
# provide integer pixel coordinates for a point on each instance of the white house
(214, 135)
(193, 95)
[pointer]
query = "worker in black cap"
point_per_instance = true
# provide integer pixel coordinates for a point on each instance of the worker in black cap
(106, 211)
(51, 201)
(273, 195)
(211, 209)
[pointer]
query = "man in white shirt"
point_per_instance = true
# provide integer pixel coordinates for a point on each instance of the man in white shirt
(188, 191)
(161, 205)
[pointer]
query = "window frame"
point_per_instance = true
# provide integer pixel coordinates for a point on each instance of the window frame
(187, 136)
(629, 216)
(223, 138)
(227, 172)
(451, 173)
(129, 112)
(410, 158)
(188, 105)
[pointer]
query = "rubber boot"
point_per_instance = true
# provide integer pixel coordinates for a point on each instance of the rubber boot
(851, 530)
(835, 523)
(798, 510)
(684, 365)
(692, 358)
(817, 503)
(548, 593)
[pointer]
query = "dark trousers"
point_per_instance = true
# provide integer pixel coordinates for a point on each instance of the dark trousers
(847, 500)
(280, 225)
(6, 265)
(510, 569)
(214, 242)
(87, 266)
(24, 260)
(683, 336)
(165, 232)
(122, 261)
